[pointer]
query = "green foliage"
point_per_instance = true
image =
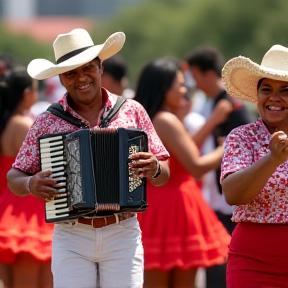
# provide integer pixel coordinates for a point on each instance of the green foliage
(23, 47)
(156, 28)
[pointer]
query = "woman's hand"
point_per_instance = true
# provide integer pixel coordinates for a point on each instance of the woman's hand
(279, 147)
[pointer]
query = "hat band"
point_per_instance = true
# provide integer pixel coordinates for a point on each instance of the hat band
(71, 54)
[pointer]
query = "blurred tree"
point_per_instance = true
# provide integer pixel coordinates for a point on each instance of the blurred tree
(160, 27)
(22, 47)
(156, 28)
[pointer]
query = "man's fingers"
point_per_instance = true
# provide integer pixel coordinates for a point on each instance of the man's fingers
(45, 174)
(141, 155)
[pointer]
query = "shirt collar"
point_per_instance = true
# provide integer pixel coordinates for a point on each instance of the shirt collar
(107, 99)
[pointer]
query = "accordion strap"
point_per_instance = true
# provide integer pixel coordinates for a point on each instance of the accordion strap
(57, 110)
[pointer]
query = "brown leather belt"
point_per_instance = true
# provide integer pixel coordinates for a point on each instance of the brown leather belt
(100, 222)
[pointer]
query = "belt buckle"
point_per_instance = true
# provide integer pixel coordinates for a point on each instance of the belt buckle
(99, 226)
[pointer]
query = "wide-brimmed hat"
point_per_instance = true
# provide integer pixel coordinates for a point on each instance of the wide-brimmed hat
(73, 50)
(241, 75)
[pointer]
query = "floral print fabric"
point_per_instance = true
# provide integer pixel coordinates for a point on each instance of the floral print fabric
(244, 146)
(131, 115)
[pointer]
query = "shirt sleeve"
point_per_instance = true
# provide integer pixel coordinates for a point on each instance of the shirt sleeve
(28, 159)
(238, 152)
(155, 144)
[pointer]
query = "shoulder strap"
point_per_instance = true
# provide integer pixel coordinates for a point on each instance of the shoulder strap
(104, 122)
(57, 110)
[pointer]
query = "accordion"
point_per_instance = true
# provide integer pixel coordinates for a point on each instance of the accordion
(92, 172)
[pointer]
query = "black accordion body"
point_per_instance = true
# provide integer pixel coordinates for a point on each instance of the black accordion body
(92, 172)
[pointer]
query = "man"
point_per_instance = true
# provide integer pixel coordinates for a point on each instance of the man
(114, 77)
(112, 243)
(205, 63)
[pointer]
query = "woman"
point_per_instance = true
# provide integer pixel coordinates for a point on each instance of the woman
(180, 231)
(25, 238)
(256, 159)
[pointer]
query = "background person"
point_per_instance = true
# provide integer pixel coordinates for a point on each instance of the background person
(114, 77)
(83, 247)
(205, 63)
(256, 159)
(25, 238)
(180, 231)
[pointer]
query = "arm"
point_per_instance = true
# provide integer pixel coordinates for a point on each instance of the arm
(152, 164)
(11, 141)
(39, 185)
(251, 180)
(163, 176)
(219, 115)
(177, 140)
(18, 182)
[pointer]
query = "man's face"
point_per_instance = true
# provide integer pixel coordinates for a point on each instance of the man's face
(84, 83)
(199, 77)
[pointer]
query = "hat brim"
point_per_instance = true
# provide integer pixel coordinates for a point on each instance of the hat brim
(41, 69)
(241, 75)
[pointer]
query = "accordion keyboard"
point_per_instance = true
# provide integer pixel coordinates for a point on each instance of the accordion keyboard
(53, 158)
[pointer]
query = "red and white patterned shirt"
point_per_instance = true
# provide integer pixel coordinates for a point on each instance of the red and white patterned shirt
(131, 115)
(244, 146)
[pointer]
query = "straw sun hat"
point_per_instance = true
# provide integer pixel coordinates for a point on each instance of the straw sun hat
(73, 50)
(241, 75)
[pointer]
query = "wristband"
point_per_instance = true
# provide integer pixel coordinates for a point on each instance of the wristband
(28, 184)
(158, 172)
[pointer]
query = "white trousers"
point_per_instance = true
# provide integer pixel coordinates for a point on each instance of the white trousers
(116, 250)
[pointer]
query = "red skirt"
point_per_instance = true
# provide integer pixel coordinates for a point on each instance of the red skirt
(258, 256)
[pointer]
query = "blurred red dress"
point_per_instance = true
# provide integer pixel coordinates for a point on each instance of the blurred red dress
(22, 222)
(179, 229)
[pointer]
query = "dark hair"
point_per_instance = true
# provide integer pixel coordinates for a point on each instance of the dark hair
(116, 67)
(12, 87)
(206, 58)
(154, 81)
(259, 83)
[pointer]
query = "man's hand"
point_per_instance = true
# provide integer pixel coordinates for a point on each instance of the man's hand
(41, 186)
(144, 164)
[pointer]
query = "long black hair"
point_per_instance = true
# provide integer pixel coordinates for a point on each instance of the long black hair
(12, 88)
(155, 80)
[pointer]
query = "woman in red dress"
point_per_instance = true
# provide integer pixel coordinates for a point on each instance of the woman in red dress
(25, 238)
(180, 232)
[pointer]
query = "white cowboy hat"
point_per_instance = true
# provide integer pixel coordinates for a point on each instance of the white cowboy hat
(73, 50)
(240, 75)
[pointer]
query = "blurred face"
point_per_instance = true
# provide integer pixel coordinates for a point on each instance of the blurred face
(176, 92)
(84, 83)
(31, 95)
(272, 103)
(199, 77)
(112, 85)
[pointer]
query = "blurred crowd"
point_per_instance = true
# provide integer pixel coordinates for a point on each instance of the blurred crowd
(191, 208)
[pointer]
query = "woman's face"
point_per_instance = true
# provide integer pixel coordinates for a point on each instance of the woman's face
(176, 93)
(31, 95)
(272, 103)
